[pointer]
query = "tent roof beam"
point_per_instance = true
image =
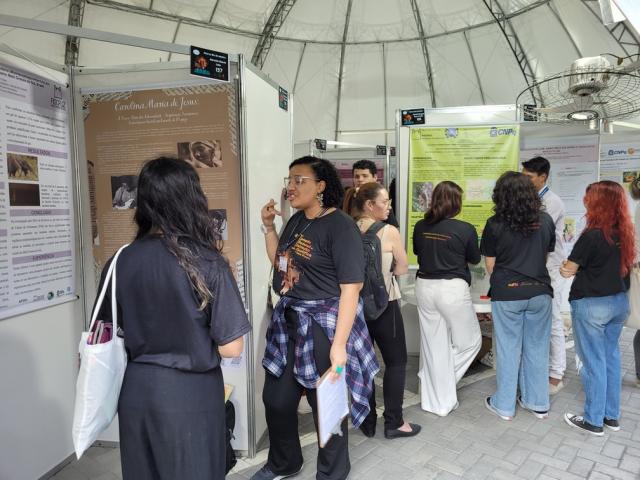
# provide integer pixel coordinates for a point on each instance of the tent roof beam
(115, 5)
(425, 52)
(504, 23)
(270, 31)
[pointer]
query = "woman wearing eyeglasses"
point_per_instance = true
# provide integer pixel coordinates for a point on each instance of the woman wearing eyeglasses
(318, 324)
(373, 206)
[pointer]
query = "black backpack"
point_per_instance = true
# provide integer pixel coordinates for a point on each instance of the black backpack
(374, 291)
(230, 423)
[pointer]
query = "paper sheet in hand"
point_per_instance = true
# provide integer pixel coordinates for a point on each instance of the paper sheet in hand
(332, 406)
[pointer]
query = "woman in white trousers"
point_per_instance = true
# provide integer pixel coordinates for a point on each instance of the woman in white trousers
(449, 331)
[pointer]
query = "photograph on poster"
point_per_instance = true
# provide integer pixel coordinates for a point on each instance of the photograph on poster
(569, 230)
(628, 177)
(219, 218)
(124, 189)
(24, 194)
(22, 167)
(201, 154)
(422, 192)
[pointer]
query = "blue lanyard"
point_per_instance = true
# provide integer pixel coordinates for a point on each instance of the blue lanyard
(543, 191)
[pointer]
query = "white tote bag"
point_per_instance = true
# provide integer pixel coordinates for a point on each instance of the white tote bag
(102, 369)
(633, 320)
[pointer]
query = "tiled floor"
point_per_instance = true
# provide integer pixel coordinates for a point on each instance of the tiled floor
(468, 444)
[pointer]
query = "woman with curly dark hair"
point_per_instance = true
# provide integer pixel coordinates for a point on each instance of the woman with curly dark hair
(601, 260)
(515, 243)
(318, 325)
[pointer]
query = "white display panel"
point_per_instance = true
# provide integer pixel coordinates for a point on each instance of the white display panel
(269, 150)
(37, 247)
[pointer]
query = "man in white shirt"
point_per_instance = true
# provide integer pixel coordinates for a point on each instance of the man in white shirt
(537, 169)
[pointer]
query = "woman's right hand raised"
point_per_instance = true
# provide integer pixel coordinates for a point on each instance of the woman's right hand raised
(269, 212)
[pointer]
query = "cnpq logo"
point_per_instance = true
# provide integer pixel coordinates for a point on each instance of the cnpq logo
(620, 151)
(498, 132)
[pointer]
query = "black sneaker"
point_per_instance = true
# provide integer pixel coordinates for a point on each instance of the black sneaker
(579, 422)
(612, 424)
(265, 473)
(536, 413)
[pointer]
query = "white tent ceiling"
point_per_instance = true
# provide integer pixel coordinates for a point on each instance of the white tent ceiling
(349, 64)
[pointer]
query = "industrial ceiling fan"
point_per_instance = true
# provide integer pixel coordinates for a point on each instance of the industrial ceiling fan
(591, 89)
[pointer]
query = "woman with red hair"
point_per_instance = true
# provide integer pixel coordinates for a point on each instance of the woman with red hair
(601, 260)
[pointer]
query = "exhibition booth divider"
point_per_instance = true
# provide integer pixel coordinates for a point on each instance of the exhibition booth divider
(473, 146)
(344, 154)
(76, 140)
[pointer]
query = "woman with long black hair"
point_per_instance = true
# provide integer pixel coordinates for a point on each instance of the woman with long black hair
(318, 324)
(601, 261)
(181, 311)
(515, 243)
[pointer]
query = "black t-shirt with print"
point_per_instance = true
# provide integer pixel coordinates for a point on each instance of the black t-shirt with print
(599, 272)
(318, 255)
(445, 249)
(520, 271)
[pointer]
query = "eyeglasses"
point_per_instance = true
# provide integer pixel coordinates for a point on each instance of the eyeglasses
(297, 179)
(386, 202)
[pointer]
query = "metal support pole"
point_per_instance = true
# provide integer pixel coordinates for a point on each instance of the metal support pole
(425, 52)
(475, 68)
(342, 52)
(295, 82)
(270, 31)
(72, 47)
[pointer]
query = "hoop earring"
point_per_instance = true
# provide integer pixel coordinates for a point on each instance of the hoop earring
(320, 198)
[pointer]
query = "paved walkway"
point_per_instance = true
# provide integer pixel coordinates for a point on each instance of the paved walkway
(469, 444)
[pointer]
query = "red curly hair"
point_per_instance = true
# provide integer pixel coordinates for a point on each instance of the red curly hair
(607, 210)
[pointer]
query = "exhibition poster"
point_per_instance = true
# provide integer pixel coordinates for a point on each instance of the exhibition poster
(37, 245)
(620, 162)
(574, 165)
(123, 130)
(472, 157)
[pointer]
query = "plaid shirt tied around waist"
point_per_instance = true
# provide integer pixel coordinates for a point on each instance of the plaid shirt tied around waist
(361, 366)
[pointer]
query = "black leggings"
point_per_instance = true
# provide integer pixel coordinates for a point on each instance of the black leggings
(281, 397)
(387, 331)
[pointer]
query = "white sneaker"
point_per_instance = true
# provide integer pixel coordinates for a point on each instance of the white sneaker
(553, 389)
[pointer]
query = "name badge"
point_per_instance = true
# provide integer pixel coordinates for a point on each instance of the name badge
(282, 263)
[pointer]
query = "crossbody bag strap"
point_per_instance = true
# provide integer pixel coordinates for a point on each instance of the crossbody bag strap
(109, 278)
